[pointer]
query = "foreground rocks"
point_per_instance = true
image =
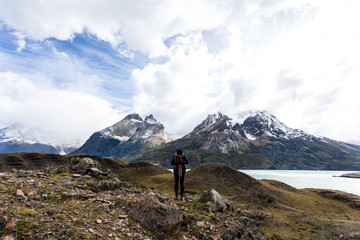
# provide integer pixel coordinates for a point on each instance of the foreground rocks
(157, 214)
(50, 205)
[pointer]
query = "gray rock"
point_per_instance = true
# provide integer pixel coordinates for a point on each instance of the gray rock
(243, 230)
(20, 194)
(105, 208)
(215, 202)
(158, 214)
(83, 165)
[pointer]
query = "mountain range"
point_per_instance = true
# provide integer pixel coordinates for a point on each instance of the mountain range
(261, 141)
(17, 138)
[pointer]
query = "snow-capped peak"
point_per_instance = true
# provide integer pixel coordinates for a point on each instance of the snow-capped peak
(21, 136)
(261, 123)
(16, 133)
(212, 122)
(132, 127)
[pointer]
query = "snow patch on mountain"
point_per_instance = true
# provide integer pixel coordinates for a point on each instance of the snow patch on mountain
(249, 136)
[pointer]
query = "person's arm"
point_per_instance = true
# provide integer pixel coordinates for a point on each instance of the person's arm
(185, 161)
(173, 161)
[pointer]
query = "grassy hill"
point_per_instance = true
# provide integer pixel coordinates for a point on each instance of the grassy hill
(289, 212)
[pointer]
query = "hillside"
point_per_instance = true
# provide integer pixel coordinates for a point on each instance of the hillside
(34, 161)
(288, 212)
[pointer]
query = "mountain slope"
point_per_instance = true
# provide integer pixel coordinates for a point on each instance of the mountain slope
(260, 142)
(125, 138)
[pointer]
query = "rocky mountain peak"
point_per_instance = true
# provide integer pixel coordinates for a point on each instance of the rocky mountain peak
(150, 119)
(133, 116)
(129, 135)
(213, 122)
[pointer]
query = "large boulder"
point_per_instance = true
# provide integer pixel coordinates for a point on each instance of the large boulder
(215, 202)
(157, 214)
(85, 165)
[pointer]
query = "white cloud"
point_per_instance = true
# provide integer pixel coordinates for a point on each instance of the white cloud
(298, 60)
(143, 25)
(21, 41)
(67, 115)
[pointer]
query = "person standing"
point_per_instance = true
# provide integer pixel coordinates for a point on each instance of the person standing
(178, 161)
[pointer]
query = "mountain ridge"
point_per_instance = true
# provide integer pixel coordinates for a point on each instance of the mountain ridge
(260, 142)
(257, 141)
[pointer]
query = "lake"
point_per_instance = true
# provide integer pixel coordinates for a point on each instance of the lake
(310, 179)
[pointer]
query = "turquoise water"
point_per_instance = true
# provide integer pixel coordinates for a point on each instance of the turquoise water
(310, 179)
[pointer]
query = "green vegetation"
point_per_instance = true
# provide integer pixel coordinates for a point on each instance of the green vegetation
(274, 236)
(25, 228)
(26, 212)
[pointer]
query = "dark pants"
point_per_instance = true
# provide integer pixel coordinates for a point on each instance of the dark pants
(176, 187)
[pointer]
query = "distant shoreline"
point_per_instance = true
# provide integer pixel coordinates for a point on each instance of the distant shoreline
(351, 175)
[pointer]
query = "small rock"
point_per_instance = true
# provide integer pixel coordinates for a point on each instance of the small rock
(200, 224)
(98, 221)
(44, 195)
(91, 230)
(123, 216)
(5, 176)
(75, 175)
(105, 208)
(40, 205)
(20, 193)
(94, 171)
(32, 193)
(8, 237)
(31, 204)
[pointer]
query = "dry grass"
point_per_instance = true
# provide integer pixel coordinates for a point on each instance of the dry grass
(293, 213)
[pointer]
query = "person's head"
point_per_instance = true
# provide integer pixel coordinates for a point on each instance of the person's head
(179, 152)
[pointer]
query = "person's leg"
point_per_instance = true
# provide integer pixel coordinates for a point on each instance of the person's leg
(176, 186)
(182, 179)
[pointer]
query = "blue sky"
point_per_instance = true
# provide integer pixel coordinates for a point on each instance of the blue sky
(70, 68)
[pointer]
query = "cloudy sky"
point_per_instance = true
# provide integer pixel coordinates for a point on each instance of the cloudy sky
(72, 67)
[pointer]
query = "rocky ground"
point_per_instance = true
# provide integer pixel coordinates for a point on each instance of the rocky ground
(89, 197)
(50, 205)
